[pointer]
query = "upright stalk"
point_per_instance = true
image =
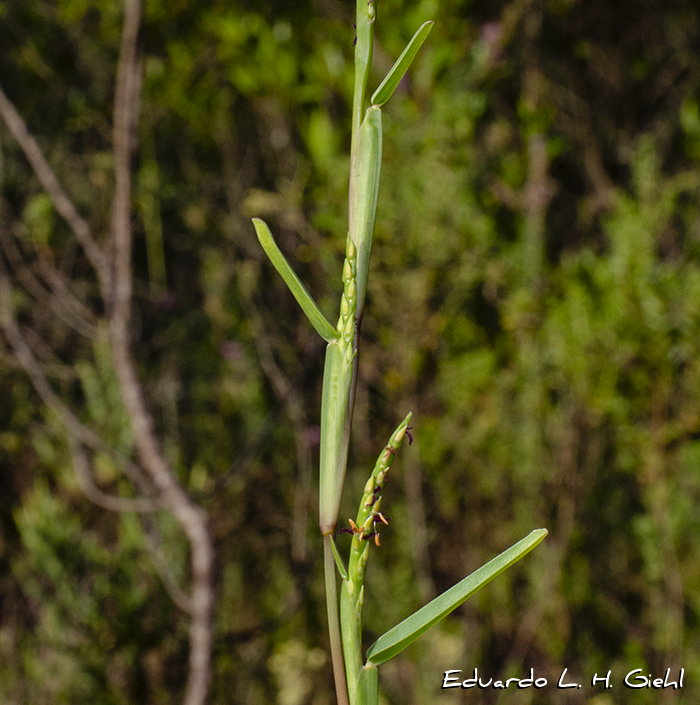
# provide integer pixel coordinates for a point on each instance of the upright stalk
(341, 689)
(364, 22)
(340, 374)
(355, 683)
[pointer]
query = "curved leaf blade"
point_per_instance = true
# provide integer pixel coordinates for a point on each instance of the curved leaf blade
(397, 639)
(393, 78)
(313, 312)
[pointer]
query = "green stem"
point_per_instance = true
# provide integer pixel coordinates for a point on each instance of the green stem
(341, 690)
(364, 26)
(341, 367)
(351, 599)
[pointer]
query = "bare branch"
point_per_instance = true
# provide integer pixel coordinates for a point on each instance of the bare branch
(61, 291)
(75, 427)
(118, 504)
(153, 543)
(191, 518)
(96, 495)
(48, 180)
(116, 285)
(126, 106)
(62, 302)
(76, 433)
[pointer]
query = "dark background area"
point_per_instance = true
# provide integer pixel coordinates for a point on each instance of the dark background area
(534, 299)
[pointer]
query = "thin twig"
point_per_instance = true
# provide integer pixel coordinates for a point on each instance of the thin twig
(75, 427)
(62, 302)
(95, 494)
(48, 180)
(61, 291)
(153, 544)
(118, 504)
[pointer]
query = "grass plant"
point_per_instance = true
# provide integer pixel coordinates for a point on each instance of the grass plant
(357, 682)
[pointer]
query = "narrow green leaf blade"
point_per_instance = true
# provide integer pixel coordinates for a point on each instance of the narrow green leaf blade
(308, 305)
(393, 78)
(397, 639)
(338, 559)
(367, 686)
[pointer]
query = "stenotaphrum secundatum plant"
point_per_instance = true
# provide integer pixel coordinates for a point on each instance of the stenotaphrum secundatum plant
(357, 683)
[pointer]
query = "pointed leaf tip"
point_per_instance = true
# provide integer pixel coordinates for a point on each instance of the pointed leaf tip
(398, 70)
(397, 639)
(308, 305)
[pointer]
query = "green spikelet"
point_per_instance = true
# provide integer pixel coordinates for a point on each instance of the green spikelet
(352, 590)
(336, 402)
(348, 302)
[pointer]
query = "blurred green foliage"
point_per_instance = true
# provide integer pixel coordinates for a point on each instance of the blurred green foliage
(534, 299)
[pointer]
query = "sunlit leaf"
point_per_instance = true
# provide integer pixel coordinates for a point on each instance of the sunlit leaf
(308, 305)
(393, 78)
(397, 639)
